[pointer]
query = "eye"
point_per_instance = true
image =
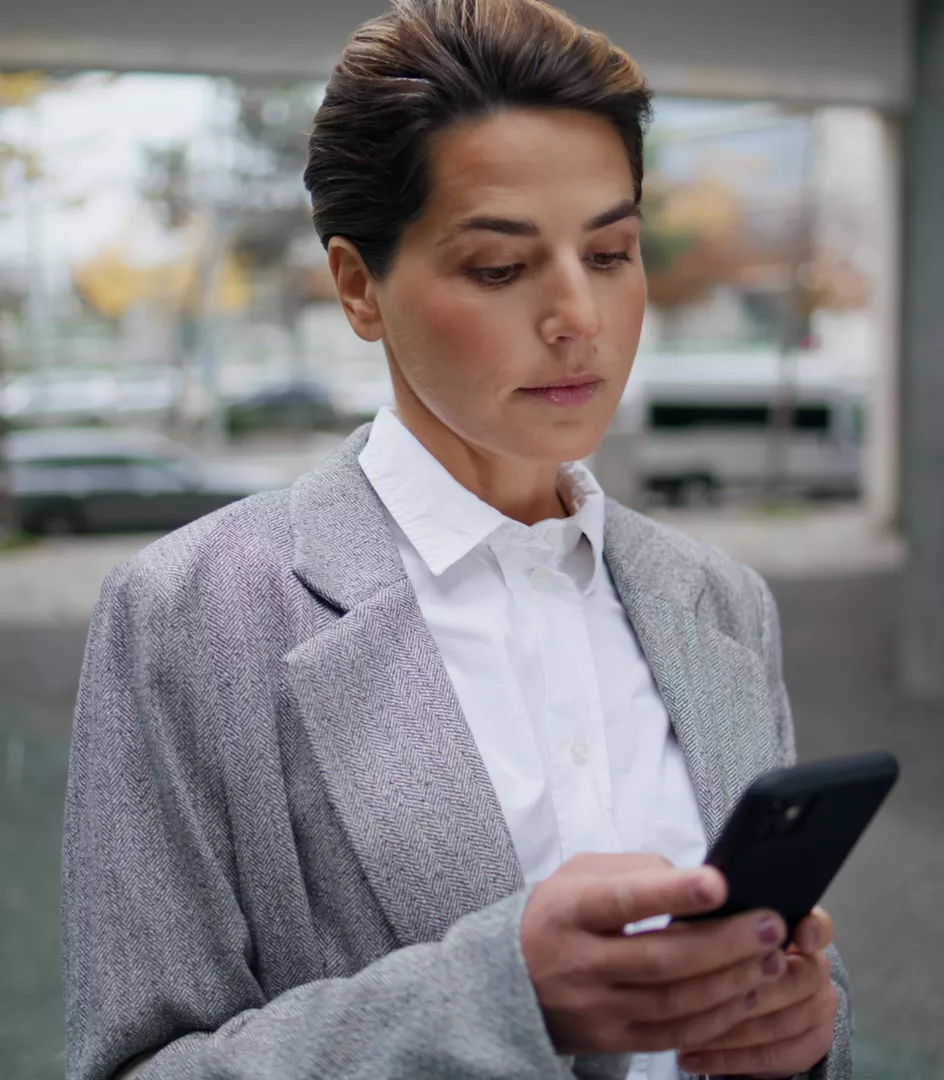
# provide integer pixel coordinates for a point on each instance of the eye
(494, 276)
(608, 260)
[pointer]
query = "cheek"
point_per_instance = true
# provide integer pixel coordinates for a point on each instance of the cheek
(628, 304)
(450, 340)
(624, 310)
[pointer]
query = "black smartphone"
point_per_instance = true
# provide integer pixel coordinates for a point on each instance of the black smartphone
(793, 829)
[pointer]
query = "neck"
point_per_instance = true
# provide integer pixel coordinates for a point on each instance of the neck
(525, 491)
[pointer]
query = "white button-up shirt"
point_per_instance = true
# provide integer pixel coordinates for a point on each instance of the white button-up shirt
(547, 668)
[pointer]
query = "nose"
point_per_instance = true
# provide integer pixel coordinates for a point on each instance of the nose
(572, 313)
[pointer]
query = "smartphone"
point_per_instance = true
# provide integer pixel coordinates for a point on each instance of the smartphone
(793, 829)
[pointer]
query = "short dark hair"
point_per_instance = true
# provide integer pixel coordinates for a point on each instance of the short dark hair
(428, 64)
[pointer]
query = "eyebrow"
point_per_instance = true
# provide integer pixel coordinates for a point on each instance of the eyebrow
(628, 208)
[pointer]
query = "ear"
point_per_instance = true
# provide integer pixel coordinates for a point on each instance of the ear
(357, 289)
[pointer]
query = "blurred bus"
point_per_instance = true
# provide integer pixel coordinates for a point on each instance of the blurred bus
(704, 432)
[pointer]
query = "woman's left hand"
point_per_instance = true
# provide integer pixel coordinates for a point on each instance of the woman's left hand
(791, 1028)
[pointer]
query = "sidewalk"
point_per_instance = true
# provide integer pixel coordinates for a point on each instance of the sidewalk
(58, 580)
(800, 542)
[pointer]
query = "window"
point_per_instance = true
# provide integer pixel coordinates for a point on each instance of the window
(732, 416)
(811, 418)
(683, 415)
(155, 476)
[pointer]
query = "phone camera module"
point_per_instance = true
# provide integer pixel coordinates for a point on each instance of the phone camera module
(789, 815)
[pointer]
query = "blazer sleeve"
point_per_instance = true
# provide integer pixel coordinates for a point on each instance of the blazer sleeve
(838, 1063)
(157, 964)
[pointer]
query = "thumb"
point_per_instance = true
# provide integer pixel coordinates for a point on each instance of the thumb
(606, 905)
(814, 932)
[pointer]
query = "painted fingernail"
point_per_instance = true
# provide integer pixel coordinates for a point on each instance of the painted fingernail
(772, 964)
(751, 1001)
(768, 931)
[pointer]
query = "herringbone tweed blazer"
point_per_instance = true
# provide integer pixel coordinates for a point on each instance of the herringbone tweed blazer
(283, 854)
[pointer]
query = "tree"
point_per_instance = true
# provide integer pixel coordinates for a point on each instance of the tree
(692, 239)
(258, 192)
(661, 243)
(17, 90)
(271, 128)
(113, 280)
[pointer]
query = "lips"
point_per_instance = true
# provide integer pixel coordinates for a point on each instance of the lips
(566, 392)
(566, 381)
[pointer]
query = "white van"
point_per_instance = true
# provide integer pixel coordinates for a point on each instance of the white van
(703, 430)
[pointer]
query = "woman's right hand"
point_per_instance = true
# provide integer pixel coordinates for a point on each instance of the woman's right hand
(603, 991)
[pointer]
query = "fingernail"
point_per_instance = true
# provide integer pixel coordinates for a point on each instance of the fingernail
(704, 891)
(768, 931)
(813, 935)
(772, 964)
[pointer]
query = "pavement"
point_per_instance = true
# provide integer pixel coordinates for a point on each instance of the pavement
(837, 587)
(58, 580)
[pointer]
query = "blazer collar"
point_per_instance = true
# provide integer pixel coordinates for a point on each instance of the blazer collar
(644, 556)
(343, 548)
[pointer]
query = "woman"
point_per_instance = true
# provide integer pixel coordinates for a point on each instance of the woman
(369, 776)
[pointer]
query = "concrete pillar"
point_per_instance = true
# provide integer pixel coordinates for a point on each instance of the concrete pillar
(882, 451)
(922, 638)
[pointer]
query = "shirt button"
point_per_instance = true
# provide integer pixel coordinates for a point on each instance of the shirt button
(579, 751)
(541, 579)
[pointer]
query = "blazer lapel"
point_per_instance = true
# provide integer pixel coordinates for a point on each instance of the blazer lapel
(660, 590)
(398, 759)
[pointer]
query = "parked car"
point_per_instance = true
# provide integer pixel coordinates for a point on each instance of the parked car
(92, 480)
(293, 407)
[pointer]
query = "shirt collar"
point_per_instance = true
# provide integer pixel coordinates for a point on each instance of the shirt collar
(585, 500)
(443, 520)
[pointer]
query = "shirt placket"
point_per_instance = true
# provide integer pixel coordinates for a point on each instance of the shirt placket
(579, 777)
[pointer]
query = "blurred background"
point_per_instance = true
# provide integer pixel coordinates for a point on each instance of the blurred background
(170, 341)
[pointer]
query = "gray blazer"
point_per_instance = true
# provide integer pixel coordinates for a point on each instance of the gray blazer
(283, 854)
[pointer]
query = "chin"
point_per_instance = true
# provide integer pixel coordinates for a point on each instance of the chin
(561, 446)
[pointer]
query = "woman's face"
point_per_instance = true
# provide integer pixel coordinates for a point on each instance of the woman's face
(512, 313)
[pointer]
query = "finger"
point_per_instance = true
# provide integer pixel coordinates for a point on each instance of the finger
(816, 931)
(796, 1055)
(605, 864)
(689, 1032)
(676, 1000)
(606, 905)
(686, 951)
(780, 1026)
(805, 976)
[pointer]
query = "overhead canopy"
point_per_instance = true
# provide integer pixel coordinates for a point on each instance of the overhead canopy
(819, 51)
